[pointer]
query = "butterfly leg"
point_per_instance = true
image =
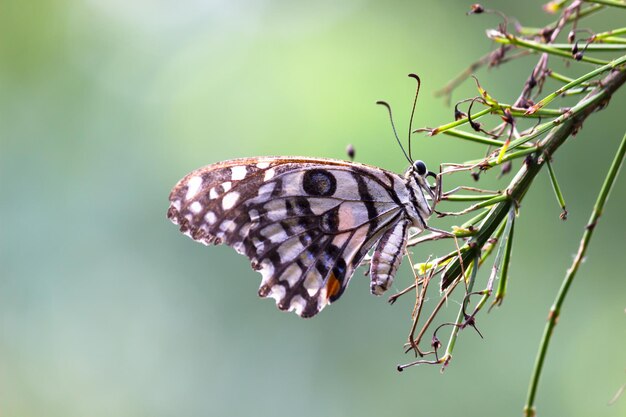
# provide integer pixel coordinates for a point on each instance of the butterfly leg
(466, 188)
(420, 296)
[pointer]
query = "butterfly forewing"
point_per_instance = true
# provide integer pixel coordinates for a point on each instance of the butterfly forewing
(304, 223)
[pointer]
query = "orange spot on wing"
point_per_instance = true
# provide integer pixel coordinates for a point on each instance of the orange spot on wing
(332, 286)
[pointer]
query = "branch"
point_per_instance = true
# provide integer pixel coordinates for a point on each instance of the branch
(555, 311)
(518, 187)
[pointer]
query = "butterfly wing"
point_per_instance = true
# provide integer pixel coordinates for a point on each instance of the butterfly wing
(304, 223)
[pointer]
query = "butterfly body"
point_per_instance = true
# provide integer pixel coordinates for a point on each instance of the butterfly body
(305, 223)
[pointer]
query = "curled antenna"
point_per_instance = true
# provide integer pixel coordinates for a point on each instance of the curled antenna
(417, 92)
(393, 126)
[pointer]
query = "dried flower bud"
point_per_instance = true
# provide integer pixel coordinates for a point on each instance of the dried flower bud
(507, 117)
(435, 343)
(571, 36)
(553, 6)
(506, 168)
(476, 9)
(546, 34)
(475, 125)
(350, 151)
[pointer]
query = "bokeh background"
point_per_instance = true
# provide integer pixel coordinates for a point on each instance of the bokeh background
(107, 310)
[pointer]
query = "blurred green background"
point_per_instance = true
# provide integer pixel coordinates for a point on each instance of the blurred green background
(107, 310)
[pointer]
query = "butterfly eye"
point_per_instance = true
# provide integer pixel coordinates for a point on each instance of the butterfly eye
(419, 167)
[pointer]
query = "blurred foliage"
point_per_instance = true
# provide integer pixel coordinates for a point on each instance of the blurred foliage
(105, 309)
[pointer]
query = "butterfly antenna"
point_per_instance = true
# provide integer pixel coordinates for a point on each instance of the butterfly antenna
(417, 93)
(393, 126)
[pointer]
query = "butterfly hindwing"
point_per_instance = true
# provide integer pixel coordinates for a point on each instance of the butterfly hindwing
(304, 223)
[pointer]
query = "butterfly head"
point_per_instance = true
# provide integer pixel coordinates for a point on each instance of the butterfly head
(419, 168)
(418, 172)
(425, 194)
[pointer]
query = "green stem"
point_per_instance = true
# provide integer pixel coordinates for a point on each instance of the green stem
(563, 78)
(555, 311)
(610, 33)
(515, 111)
(501, 290)
(576, 91)
(492, 162)
(557, 190)
(468, 197)
(472, 137)
(613, 64)
(598, 47)
(613, 3)
(508, 39)
(460, 122)
(614, 39)
(459, 318)
(474, 220)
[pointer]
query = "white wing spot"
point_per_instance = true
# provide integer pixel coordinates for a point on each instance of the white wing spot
(313, 282)
(195, 207)
(193, 186)
(289, 250)
(258, 244)
(227, 185)
(266, 189)
(291, 275)
(210, 217)
(277, 293)
(275, 233)
(254, 215)
(213, 193)
(238, 173)
(228, 226)
(269, 174)
(297, 304)
(276, 209)
(239, 247)
(230, 200)
(262, 165)
(245, 229)
(267, 270)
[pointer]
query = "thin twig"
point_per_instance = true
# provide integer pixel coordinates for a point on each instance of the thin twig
(555, 311)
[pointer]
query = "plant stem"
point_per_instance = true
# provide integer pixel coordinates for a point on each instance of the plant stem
(467, 197)
(557, 190)
(614, 3)
(472, 137)
(522, 181)
(508, 39)
(610, 33)
(591, 47)
(518, 112)
(613, 64)
(555, 311)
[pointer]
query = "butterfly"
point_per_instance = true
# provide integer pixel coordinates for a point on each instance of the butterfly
(306, 223)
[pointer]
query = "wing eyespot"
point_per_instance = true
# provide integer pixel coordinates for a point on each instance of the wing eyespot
(319, 183)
